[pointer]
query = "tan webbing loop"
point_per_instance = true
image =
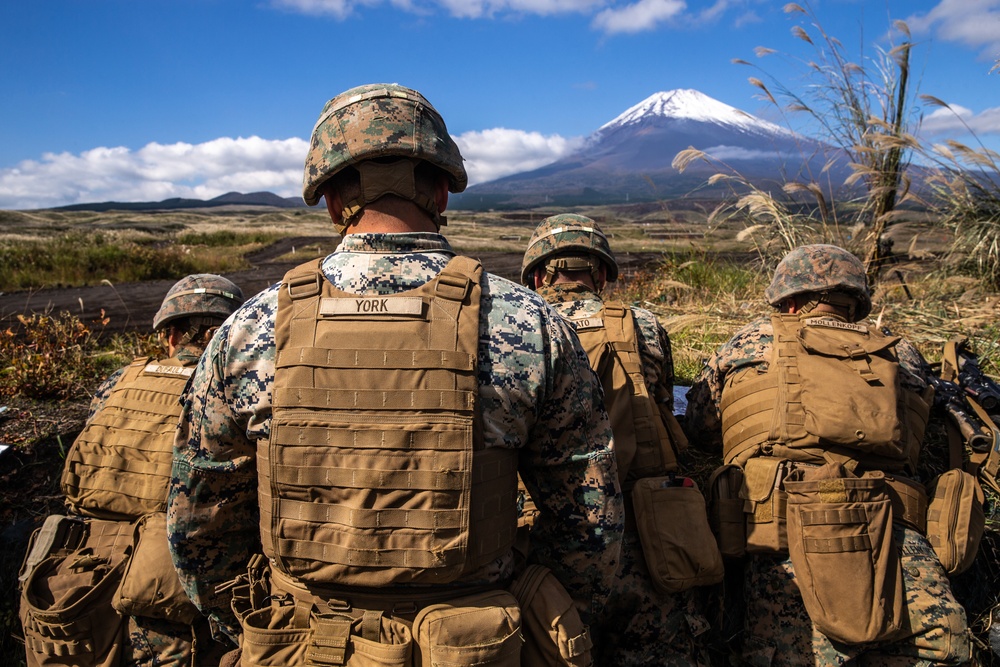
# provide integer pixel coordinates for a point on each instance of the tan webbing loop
(833, 545)
(371, 624)
(304, 281)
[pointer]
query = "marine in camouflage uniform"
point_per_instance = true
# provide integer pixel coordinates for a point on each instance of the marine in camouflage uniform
(567, 263)
(191, 311)
(777, 627)
(536, 392)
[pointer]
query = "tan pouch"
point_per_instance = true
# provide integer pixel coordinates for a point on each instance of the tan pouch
(765, 505)
(725, 510)
(66, 612)
(269, 640)
(672, 521)
(841, 546)
(554, 633)
(955, 519)
(482, 629)
(151, 586)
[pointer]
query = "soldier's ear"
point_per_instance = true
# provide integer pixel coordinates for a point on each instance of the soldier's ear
(441, 193)
(334, 203)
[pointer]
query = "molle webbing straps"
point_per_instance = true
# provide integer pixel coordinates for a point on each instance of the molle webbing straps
(830, 393)
(119, 466)
(375, 473)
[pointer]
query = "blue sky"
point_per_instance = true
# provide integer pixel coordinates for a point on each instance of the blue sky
(135, 100)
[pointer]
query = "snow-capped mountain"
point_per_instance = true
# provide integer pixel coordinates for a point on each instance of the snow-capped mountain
(629, 157)
(692, 105)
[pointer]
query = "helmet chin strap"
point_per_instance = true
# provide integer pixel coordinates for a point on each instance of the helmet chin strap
(572, 263)
(379, 179)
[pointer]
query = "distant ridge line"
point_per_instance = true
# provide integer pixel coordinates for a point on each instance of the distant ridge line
(229, 199)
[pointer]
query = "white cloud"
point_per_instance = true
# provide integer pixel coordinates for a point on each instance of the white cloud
(609, 16)
(203, 171)
(974, 23)
(959, 120)
(639, 16)
(499, 152)
(736, 153)
(155, 172)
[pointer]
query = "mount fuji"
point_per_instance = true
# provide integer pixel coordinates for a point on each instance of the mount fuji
(629, 158)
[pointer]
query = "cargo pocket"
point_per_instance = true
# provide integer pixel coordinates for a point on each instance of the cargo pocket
(483, 629)
(841, 546)
(672, 521)
(66, 611)
(955, 519)
(150, 586)
(765, 505)
(554, 633)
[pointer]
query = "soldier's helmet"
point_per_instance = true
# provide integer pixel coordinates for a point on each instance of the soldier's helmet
(377, 121)
(199, 295)
(820, 268)
(567, 234)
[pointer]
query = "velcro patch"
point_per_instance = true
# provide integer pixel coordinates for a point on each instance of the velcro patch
(172, 371)
(377, 305)
(588, 323)
(835, 324)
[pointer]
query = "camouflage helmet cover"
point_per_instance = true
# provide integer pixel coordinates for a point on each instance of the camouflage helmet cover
(379, 120)
(820, 268)
(566, 234)
(199, 295)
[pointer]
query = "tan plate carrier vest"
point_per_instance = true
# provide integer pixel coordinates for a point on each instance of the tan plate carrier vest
(376, 473)
(645, 443)
(119, 466)
(831, 393)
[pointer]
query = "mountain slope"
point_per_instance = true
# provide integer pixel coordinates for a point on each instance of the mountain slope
(629, 158)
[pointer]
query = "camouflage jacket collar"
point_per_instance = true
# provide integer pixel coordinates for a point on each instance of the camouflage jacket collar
(563, 292)
(395, 243)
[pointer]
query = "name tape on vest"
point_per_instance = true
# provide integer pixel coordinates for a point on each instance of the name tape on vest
(160, 369)
(588, 323)
(378, 305)
(836, 324)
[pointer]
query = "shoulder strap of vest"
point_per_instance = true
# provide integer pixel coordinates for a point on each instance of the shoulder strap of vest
(457, 278)
(305, 280)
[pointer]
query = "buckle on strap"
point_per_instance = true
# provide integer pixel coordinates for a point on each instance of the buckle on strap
(452, 287)
(305, 284)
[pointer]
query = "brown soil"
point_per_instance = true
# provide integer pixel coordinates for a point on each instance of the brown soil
(130, 306)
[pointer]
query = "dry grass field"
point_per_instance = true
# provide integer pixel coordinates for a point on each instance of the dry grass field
(99, 279)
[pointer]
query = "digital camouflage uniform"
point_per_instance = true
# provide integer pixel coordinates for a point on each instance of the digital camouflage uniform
(537, 394)
(777, 628)
(640, 626)
(122, 442)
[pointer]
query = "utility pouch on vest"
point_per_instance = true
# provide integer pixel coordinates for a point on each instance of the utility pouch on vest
(271, 639)
(66, 607)
(483, 629)
(678, 545)
(955, 519)
(846, 563)
(150, 586)
(725, 510)
(554, 633)
(59, 533)
(764, 505)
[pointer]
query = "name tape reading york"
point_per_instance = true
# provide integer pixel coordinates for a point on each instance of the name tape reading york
(372, 306)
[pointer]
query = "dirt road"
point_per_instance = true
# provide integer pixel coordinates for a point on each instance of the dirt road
(130, 306)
